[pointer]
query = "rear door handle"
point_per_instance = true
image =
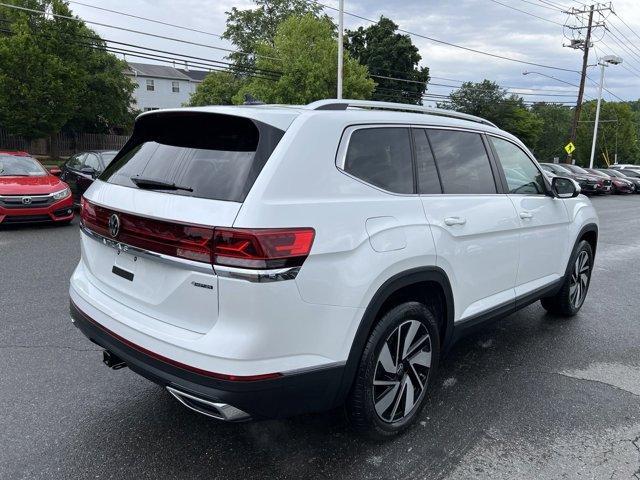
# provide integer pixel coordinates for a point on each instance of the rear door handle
(526, 215)
(450, 221)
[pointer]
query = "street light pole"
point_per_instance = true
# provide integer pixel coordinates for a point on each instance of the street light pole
(612, 60)
(340, 47)
(595, 126)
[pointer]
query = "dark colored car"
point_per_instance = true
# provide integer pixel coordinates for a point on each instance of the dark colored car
(621, 183)
(82, 169)
(589, 183)
(30, 193)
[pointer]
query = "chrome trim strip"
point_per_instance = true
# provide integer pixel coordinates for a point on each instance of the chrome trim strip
(33, 197)
(258, 276)
(123, 247)
(225, 411)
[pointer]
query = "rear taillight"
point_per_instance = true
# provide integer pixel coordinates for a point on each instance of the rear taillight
(260, 249)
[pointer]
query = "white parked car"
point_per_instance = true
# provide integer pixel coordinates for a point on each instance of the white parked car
(267, 261)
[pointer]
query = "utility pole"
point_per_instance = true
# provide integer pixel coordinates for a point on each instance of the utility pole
(340, 47)
(583, 77)
(584, 45)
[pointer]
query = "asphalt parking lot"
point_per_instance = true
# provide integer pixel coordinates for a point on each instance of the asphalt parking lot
(530, 396)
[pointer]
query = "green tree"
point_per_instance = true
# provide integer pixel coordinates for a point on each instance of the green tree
(247, 29)
(305, 49)
(556, 120)
(617, 132)
(387, 53)
(217, 88)
(488, 100)
(56, 74)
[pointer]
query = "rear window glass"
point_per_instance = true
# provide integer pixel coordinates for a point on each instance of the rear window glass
(462, 161)
(203, 155)
(381, 157)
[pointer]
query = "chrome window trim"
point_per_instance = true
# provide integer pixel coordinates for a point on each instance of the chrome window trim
(123, 247)
(345, 139)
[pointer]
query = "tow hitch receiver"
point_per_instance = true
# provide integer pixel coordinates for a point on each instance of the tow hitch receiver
(112, 361)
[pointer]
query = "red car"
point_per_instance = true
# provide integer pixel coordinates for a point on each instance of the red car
(30, 193)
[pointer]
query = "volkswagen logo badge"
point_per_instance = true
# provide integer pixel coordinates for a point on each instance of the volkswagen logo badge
(26, 200)
(114, 225)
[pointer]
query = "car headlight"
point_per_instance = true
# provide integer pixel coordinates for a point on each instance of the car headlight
(62, 194)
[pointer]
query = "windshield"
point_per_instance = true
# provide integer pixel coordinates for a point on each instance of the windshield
(615, 174)
(630, 173)
(107, 157)
(577, 169)
(555, 168)
(20, 167)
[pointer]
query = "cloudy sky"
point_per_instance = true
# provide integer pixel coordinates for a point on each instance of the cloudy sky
(485, 25)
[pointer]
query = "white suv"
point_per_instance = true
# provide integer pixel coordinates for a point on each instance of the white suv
(266, 261)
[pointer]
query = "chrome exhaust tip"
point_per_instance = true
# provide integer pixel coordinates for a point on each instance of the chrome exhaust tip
(219, 411)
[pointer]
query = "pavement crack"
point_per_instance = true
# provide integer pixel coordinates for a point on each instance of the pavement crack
(593, 380)
(636, 443)
(52, 347)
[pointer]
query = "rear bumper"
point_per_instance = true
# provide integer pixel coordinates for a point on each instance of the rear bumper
(61, 211)
(291, 394)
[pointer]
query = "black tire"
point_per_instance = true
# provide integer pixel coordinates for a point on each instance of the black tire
(360, 405)
(564, 302)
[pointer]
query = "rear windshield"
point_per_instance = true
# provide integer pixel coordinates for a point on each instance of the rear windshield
(107, 157)
(203, 155)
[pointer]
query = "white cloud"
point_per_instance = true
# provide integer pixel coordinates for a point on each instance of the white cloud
(478, 24)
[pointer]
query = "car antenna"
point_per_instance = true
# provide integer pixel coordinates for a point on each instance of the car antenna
(251, 100)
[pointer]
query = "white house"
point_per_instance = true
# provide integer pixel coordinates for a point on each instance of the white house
(160, 86)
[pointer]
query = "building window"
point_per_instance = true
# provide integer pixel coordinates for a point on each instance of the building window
(150, 86)
(175, 87)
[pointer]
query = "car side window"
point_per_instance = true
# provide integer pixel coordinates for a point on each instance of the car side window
(522, 175)
(75, 162)
(462, 161)
(428, 180)
(381, 157)
(92, 161)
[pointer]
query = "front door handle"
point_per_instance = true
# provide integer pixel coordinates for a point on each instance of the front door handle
(450, 221)
(526, 215)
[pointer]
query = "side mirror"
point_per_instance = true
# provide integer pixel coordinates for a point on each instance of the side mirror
(88, 171)
(565, 187)
(55, 171)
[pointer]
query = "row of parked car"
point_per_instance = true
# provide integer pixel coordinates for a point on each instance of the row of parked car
(31, 193)
(615, 179)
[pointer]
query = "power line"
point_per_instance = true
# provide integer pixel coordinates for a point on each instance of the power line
(527, 13)
(626, 25)
(146, 19)
(173, 39)
(540, 5)
(442, 42)
(458, 86)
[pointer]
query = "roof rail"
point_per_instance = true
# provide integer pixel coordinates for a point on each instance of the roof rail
(406, 107)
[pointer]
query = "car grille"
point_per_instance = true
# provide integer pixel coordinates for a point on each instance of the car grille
(16, 201)
(26, 218)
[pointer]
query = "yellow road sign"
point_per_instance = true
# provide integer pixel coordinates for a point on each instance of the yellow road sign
(570, 148)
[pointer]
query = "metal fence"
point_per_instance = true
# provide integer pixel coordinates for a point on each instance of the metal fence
(62, 144)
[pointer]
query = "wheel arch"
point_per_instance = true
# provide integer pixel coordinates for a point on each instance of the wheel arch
(589, 233)
(404, 286)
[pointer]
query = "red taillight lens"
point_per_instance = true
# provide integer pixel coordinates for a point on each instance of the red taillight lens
(235, 247)
(262, 248)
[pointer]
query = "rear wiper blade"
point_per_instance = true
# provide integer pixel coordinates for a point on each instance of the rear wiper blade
(151, 184)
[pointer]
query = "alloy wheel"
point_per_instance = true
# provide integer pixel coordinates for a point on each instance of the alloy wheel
(402, 371)
(579, 280)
